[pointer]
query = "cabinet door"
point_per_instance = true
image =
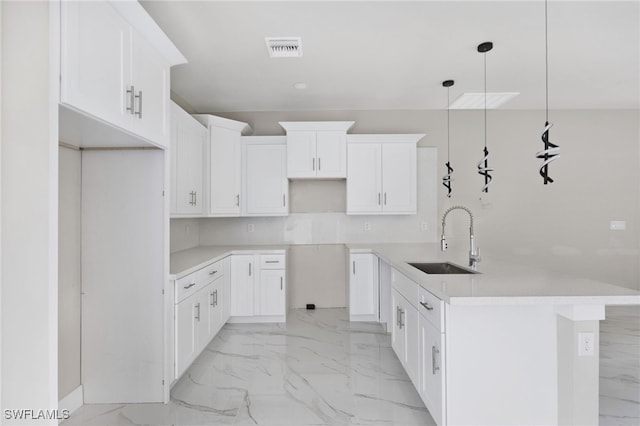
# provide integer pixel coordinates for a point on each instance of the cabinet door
(201, 319)
(185, 339)
(271, 292)
(399, 179)
(364, 192)
(215, 307)
(150, 79)
(188, 138)
(266, 185)
(331, 154)
(411, 328)
(242, 285)
(397, 333)
(301, 154)
(226, 175)
(363, 286)
(431, 385)
(95, 60)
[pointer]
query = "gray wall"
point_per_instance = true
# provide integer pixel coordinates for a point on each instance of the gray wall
(563, 226)
(69, 278)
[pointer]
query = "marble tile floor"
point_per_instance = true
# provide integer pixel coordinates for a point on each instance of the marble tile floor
(319, 369)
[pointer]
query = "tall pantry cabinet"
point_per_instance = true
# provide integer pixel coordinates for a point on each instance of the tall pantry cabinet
(114, 93)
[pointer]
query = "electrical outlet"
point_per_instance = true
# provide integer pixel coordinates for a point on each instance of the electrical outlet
(424, 226)
(617, 225)
(367, 226)
(250, 227)
(586, 344)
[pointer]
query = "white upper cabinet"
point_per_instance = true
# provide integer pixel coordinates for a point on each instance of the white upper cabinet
(115, 65)
(224, 165)
(265, 184)
(188, 138)
(317, 149)
(382, 174)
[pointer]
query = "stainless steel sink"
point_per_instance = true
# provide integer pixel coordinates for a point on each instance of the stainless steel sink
(441, 268)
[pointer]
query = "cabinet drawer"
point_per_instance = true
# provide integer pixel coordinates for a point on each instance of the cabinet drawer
(407, 288)
(186, 286)
(211, 272)
(272, 261)
(431, 308)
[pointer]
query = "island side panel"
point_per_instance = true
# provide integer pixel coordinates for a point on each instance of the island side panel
(501, 365)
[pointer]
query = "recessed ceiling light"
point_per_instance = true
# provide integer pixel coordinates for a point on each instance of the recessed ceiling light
(300, 86)
(284, 47)
(476, 100)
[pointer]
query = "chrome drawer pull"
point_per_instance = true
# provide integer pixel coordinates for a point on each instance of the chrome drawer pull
(427, 306)
(434, 352)
(213, 272)
(198, 307)
(189, 286)
(272, 261)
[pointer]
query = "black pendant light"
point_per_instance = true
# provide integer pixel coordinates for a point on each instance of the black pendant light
(483, 165)
(446, 179)
(551, 152)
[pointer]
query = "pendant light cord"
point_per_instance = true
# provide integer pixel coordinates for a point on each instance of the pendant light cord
(546, 61)
(448, 128)
(485, 99)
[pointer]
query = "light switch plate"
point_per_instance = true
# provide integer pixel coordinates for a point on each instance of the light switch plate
(618, 225)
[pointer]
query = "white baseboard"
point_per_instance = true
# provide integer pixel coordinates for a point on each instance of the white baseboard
(73, 401)
(257, 319)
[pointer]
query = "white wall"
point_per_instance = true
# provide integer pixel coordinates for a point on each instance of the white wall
(29, 210)
(69, 279)
(563, 226)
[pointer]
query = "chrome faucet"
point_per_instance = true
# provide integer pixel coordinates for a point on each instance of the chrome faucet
(474, 253)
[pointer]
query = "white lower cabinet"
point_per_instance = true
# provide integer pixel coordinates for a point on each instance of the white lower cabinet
(405, 335)
(431, 376)
(199, 311)
(363, 287)
(418, 339)
(258, 287)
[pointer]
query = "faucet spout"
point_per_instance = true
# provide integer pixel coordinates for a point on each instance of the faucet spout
(474, 253)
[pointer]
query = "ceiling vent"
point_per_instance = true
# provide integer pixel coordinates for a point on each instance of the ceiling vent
(284, 47)
(476, 100)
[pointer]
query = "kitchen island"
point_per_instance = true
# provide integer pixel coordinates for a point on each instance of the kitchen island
(511, 344)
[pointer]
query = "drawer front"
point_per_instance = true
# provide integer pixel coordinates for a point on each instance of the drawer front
(407, 288)
(272, 261)
(186, 286)
(432, 309)
(211, 272)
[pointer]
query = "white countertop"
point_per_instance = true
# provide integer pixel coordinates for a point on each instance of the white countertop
(187, 261)
(498, 283)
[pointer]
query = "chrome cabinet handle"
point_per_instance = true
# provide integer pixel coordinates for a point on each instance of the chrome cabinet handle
(186, 287)
(281, 282)
(213, 272)
(272, 261)
(238, 200)
(284, 200)
(379, 199)
(215, 297)
(249, 268)
(211, 299)
(434, 353)
(427, 306)
(139, 98)
(319, 164)
(193, 195)
(131, 93)
(197, 306)
(402, 312)
(385, 198)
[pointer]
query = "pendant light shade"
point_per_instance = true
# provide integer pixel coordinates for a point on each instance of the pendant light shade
(446, 179)
(551, 152)
(483, 164)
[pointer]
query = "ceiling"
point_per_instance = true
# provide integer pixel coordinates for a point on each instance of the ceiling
(395, 54)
